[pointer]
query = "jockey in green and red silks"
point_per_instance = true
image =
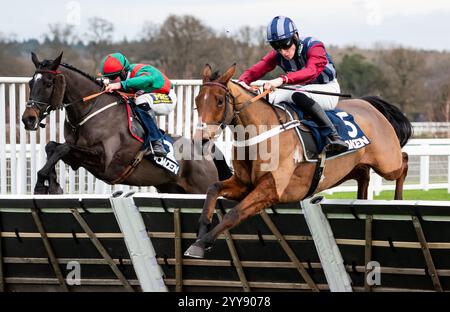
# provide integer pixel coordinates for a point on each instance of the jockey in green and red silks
(153, 89)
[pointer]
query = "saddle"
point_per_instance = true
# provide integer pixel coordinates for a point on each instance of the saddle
(311, 137)
(135, 125)
(137, 130)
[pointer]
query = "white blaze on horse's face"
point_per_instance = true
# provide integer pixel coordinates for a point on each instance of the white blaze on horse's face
(206, 96)
(37, 77)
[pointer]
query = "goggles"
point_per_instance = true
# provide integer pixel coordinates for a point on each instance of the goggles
(122, 74)
(282, 44)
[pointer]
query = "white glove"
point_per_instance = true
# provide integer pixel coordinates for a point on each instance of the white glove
(105, 81)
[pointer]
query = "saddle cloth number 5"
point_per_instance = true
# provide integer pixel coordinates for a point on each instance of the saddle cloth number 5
(353, 132)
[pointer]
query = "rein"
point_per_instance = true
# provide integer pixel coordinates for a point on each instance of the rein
(223, 123)
(88, 115)
(37, 105)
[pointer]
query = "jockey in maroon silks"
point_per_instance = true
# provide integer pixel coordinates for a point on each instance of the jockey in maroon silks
(308, 66)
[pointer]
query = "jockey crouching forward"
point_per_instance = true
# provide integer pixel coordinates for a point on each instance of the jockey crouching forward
(154, 93)
(307, 65)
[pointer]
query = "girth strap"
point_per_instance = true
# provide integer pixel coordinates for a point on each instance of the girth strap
(317, 175)
(130, 168)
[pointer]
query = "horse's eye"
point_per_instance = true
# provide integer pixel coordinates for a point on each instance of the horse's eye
(220, 102)
(49, 85)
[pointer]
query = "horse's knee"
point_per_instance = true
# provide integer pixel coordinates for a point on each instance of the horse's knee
(50, 147)
(405, 159)
(232, 217)
(214, 189)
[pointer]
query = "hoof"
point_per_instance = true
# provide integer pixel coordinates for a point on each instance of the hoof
(195, 252)
(55, 190)
(40, 190)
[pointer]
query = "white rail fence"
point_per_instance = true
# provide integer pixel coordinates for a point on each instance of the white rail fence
(22, 153)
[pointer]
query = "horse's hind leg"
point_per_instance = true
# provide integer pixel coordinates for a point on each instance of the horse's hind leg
(363, 180)
(361, 174)
(55, 151)
(401, 180)
(263, 196)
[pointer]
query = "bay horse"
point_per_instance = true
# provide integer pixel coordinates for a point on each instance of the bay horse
(222, 102)
(97, 136)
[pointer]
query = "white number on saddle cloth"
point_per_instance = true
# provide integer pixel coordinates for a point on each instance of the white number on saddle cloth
(353, 132)
(353, 141)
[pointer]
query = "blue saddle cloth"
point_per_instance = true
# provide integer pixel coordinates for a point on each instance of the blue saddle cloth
(345, 125)
(153, 133)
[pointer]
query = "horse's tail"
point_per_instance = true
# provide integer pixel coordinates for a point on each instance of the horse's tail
(223, 169)
(398, 120)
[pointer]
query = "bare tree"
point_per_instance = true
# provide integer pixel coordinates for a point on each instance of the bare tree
(100, 35)
(61, 34)
(403, 70)
(184, 42)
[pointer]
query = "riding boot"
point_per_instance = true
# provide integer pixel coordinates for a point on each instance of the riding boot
(313, 109)
(157, 147)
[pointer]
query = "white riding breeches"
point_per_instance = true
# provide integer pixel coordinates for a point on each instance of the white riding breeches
(161, 104)
(327, 102)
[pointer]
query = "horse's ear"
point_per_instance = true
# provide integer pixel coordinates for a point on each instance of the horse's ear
(206, 73)
(56, 62)
(228, 74)
(35, 60)
(58, 91)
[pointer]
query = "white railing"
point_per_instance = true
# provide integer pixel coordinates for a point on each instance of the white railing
(432, 129)
(421, 152)
(19, 161)
(22, 153)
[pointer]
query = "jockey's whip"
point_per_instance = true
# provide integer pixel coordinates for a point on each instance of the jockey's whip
(317, 92)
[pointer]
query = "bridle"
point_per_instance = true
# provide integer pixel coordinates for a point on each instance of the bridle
(38, 105)
(224, 123)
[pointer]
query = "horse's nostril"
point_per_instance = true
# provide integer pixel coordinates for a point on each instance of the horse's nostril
(29, 122)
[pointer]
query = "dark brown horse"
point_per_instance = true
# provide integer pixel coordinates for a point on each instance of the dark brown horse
(222, 102)
(97, 136)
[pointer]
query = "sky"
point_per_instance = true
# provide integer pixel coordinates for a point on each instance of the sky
(364, 23)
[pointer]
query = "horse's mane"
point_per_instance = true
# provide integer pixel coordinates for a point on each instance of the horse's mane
(90, 77)
(250, 92)
(216, 75)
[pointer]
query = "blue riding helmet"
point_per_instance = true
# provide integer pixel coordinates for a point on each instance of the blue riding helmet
(280, 28)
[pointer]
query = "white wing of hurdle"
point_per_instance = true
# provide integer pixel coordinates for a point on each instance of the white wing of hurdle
(139, 245)
(327, 249)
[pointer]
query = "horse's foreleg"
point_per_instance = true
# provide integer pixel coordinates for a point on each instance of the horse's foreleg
(53, 185)
(231, 188)
(263, 196)
(55, 152)
(401, 180)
